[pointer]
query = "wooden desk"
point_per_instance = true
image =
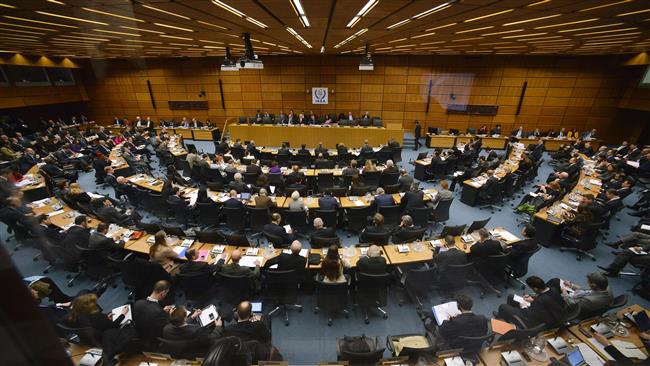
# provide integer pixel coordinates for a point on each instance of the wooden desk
(146, 181)
(37, 189)
(270, 135)
(204, 134)
(351, 254)
(498, 142)
(418, 252)
(78, 351)
(469, 195)
(492, 355)
(441, 141)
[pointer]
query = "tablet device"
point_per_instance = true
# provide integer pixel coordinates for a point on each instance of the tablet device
(642, 321)
(245, 196)
(575, 357)
(208, 315)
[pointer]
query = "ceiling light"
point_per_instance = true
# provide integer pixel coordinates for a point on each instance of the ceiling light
(300, 11)
(428, 43)
(165, 48)
(142, 30)
(165, 11)
(635, 34)
(26, 26)
(568, 23)
(238, 13)
(206, 41)
(633, 12)
(538, 3)
(488, 15)
(524, 35)
(7, 6)
(423, 14)
(423, 35)
(20, 31)
(504, 32)
(365, 10)
(70, 18)
(113, 15)
(606, 5)
(397, 40)
(140, 41)
(40, 22)
(584, 28)
(440, 27)
(607, 31)
(173, 27)
(474, 30)
(295, 34)
(322, 49)
(176, 37)
(212, 25)
(364, 30)
(85, 37)
(466, 39)
(56, 2)
(113, 32)
(532, 19)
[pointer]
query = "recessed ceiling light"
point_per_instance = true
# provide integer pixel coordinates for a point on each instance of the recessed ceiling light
(428, 43)
(488, 15)
(397, 40)
(56, 2)
(165, 11)
(298, 36)
(3, 5)
(607, 31)
(365, 10)
(142, 30)
(173, 27)
(206, 41)
(538, 3)
(114, 32)
(300, 12)
(322, 49)
(533, 19)
(26, 26)
(423, 14)
(606, 5)
(440, 27)
(423, 35)
(112, 15)
(238, 13)
(40, 22)
(84, 38)
(568, 23)
(176, 37)
(466, 39)
(474, 29)
(524, 35)
(70, 18)
(633, 12)
(211, 25)
(504, 32)
(585, 28)
(20, 31)
(141, 41)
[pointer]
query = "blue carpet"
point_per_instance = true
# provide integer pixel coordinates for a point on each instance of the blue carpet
(308, 339)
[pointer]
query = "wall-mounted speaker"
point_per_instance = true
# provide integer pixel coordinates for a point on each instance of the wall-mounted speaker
(223, 102)
(521, 97)
(153, 101)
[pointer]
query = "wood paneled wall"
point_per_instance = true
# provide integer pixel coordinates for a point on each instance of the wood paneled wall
(580, 92)
(633, 96)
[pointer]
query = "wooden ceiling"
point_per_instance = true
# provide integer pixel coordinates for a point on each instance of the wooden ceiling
(194, 28)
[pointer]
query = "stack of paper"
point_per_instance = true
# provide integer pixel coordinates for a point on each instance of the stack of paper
(180, 251)
(630, 350)
(54, 213)
(249, 260)
(303, 252)
(118, 311)
(445, 311)
(186, 243)
(522, 303)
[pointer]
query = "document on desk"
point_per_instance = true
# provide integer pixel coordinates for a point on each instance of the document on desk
(590, 356)
(645, 227)
(505, 235)
(454, 361)
(303, 252)
(522, 303)
(445, 311)
(634, 164)
(54, 213)
(249, 260)
(118, 311)
(630, 350)
(180, 251)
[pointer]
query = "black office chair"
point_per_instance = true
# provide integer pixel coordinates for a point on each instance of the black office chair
(476, 225)
(582, 244)
(237, 239)
(375, 238)
(235, 218)
(518, 267)
(276, 240)
(520, 335)
(452, 230)
(283, 287)
(417, 283)
(493, 269)
(330, 217)
(258, 218)
(457, 277)
(371, 357)
(392, 188)
(441, 212)
(196, 287)
(371, 179)
(420, 215)
(410, 236)
(392, 215)
(317, 242)
(184, 349)
(210, 236)
(473, 345)
(84, 336)
(331, 298)
(297, 220)
(173, 230)
(357, 218)
(372, 292)
(234, 289)
(617, 302)
(359, 191)
(208, 213)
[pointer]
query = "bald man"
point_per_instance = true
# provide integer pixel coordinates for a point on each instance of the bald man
(234, 269)
(248, 327)
(287, 262)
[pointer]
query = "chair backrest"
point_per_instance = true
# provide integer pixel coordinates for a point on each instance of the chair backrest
(338, 191)
(518, 335)
(234, 217)
(86, 335)
(375, 238)
(371, 178)
(370, 357)
(478, 224)
(317, 242)
(329, 217)
(283, 285)
(210, 236)
(420, 215)
(392, 188)
(173, 230)
(208, 213)
(372, 289)
(472, 345)
(236, 239)
(456, 275)
(258, 218)
(441, 212)
(277, 240)
(325, 180)
(357, 218)
(235, 289)
(419, 280)
(149, 227)
(331, 296)
(392, 214)
(195, 286)
(410, 236)
(452, 230)
(520, 265)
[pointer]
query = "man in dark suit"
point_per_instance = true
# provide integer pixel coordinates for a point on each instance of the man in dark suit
(465, 324)
(149, 316)
(373, 262)
(612, 203)
(448, 254)
(523, 246)
(233, 201)
(199, 338)
(296, 176)
(303, 150)
(79, 235)
(109, 213)
(405, 231)
(414, 198)
(50, 231)
(284, 150)
(489, 186)
(366, 148)
(110, 176)
(417, 132)
(275, 228)
(287, 262)
(195, 267)
(351, 170)
(485, 246)
(248, 327)
(99, 241)
(27, 160)
(546, 306)
(234, 269)
(253, 168)
(320, 231)
(381, 199)
(327, 202)
(238, 184)
(320, 149)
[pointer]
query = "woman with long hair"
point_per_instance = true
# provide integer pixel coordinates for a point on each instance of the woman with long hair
(85, 312)
(162, 253)
(333, 265)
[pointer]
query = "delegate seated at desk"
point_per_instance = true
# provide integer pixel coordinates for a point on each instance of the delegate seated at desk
(465, 324)
(287, 262)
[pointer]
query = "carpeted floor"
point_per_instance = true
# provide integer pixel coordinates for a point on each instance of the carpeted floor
(308, 339)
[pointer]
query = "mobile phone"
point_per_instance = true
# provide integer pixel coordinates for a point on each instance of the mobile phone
(584, 332)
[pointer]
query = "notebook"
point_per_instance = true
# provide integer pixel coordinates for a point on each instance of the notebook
(118, 311)
(249, 260)
(445, 311)
(208, 315)
(501, 327)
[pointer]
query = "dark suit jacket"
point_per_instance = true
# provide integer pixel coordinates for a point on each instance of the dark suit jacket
(76, 235)
(412, 199)
(233, 203)
(238, 186)
(112, 215)
(149, 319)
(249, 331)
(328, 203)
(100, 242)
(372, 265)
(287, 262)
(482, 250)
(450, 256)
(234, 269)
(382, 200)
(325, 232)
(466, 324)
(278, 230)
(196, 267)
(521, 248)
(253, 169)
(548, 308)
(189, 332)
(402, 234)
